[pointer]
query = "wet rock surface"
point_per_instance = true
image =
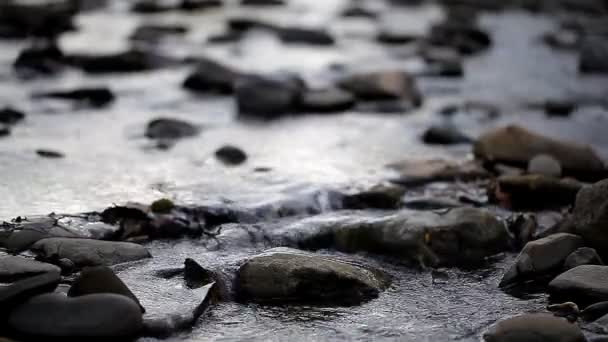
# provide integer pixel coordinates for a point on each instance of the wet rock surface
(84, 252)
(93, 316)
(383, 190)
(284, 275)
(534, 327)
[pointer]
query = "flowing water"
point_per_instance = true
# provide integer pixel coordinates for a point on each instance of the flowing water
(108, 160)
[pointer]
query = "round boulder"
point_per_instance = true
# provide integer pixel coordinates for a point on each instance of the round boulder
(534, 328)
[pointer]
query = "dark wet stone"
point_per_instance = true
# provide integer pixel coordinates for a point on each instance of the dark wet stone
(595, 311)
(11, 116)
(212, 77)
(445, 135)
(195, 275)
(20, 20)
(541, 258)
(388, 36)
(386, 198)
(456, 237)
(49, 154)
(19, 291)
(430, 203)
(446, 68)
(42, 59)
(534, 327)
(326, 100)
(97, 97)
(568, 310)
(420, 172)
(151, 6)
(383, 85)
(464, 37)
(128, 61)
(242, 24)
(267, 97)
(93, 316)
(100, 279)
(534, 192)
(559, 108)
(590, 216)
(166, 128)
(262, 2)
(225, 37)
(594, 55)
(231, 155)
(192, 5)
(514, 145)
(356, 11)
(4, 131)
(182, 320)
(14, 268)
(67, 266)
(523, 228)
(85, 252)
(301, 35)
(583, 285)
(155, 33)
(284, 275)
(583, 256)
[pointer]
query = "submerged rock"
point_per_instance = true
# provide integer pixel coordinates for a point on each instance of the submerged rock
(93, 316)
(100, 279)
(284, 275)
(590, 216)
(166, 128)
(583, 285)
(13, 268)
(231, 155)
(383, 85)
(534, 327)
(456, 237)
(96, 97)
(541, 258)
(516, 146)
(85, 252)
(420, 172)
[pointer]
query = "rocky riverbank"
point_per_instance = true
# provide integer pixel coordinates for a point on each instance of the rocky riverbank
(288, 170)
